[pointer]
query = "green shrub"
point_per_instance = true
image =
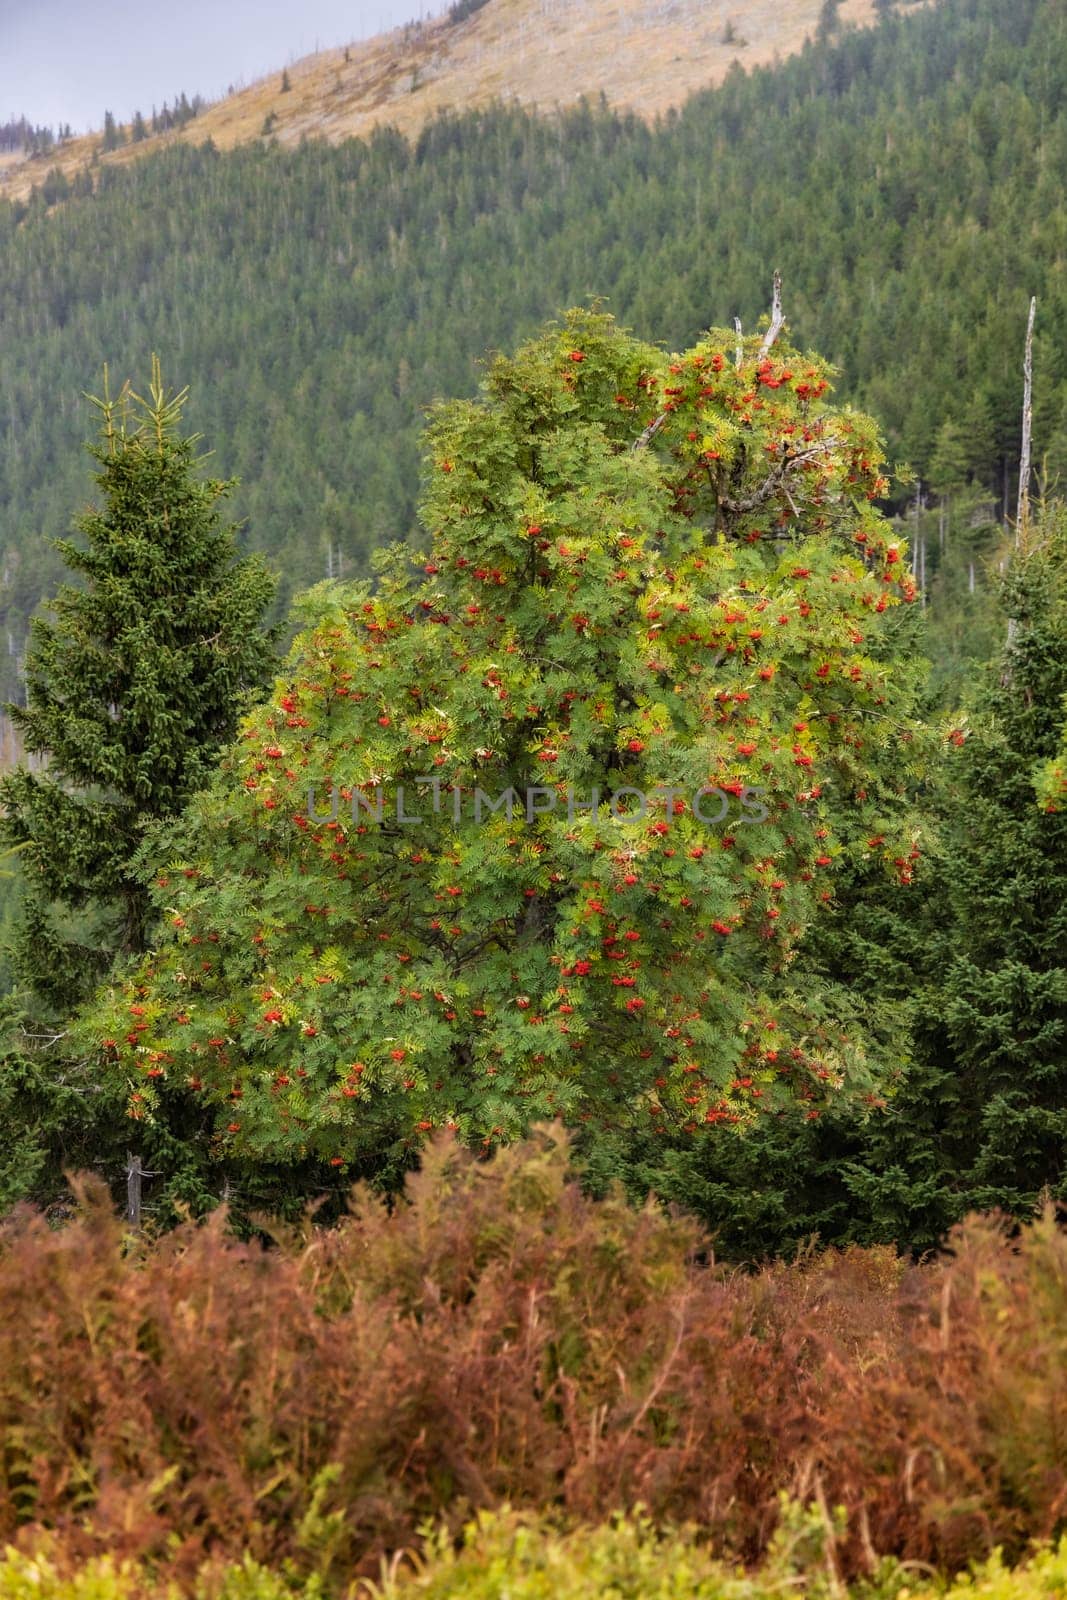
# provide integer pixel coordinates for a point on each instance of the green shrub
(41, 1577)
(515, 1558)
(511, 1556)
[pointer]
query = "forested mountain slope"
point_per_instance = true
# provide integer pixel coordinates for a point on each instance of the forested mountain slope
(644, 55)
(908, 180)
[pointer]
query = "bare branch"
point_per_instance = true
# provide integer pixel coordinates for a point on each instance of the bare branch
(777, 481)
(777, 318)
(650, 432)
(1023, 516)
(739, 354)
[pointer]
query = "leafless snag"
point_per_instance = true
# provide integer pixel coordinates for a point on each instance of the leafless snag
(1023, 515)
(1022, 519)
(777, 319)
(134, 1173)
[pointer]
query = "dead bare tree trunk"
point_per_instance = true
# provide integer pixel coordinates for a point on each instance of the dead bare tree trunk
(1022, 520)
(777, 318)
(134, 1174)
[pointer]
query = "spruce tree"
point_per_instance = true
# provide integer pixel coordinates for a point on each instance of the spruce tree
(114, 135)
(1005, 1000)
(133, 685)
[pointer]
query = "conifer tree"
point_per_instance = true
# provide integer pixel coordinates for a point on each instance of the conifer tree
(134, 684)
(829, 20)
(950, 459)
(114, 136)
(1005, 999)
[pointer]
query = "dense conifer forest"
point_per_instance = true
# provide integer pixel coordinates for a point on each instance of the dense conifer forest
(317, 300)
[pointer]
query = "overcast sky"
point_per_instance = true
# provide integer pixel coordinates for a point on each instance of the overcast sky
(70, 60)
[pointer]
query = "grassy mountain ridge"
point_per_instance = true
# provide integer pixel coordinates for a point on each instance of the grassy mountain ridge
(645, 57)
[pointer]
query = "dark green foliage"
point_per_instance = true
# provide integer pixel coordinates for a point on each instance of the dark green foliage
(58, 1118)
(462, 9)
(829, 20)
(56, 187)
(134, 683)
(114, 133)
(1005, 1001)
(133, 686)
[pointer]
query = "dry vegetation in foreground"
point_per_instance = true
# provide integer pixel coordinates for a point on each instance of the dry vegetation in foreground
(499, 1338)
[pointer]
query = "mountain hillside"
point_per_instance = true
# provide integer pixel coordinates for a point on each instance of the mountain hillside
(646, 56)
(319, 298)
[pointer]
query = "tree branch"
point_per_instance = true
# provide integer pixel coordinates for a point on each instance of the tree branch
(650, 432)
(777, 481)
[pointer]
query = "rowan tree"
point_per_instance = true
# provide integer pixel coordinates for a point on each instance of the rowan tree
(647, 575)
